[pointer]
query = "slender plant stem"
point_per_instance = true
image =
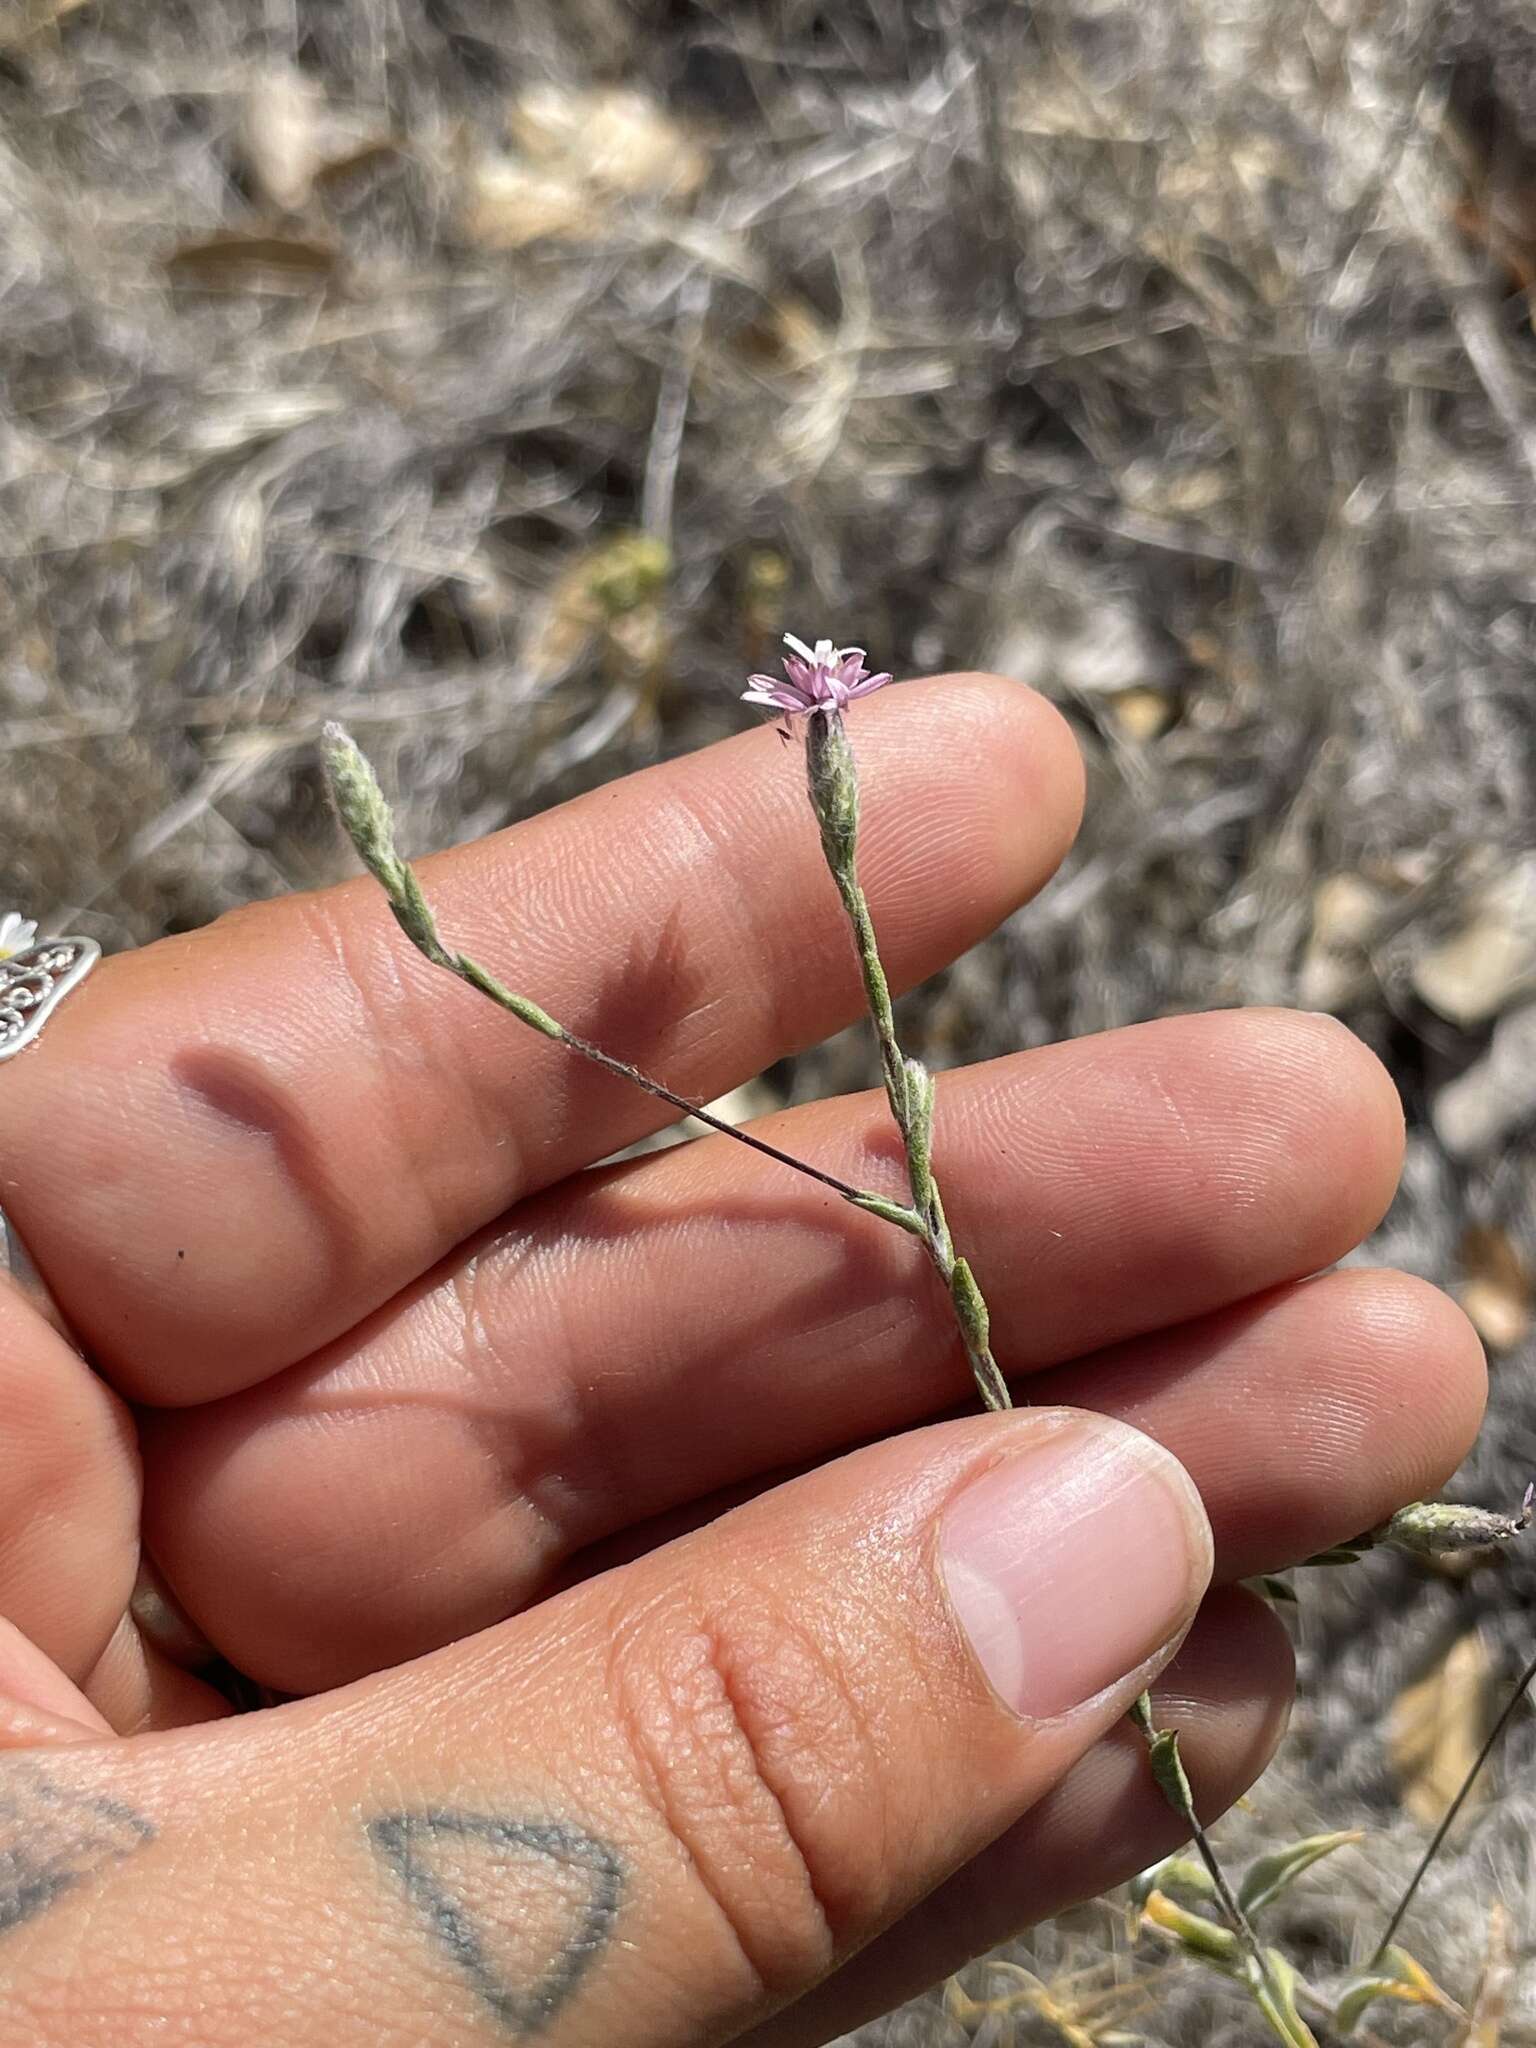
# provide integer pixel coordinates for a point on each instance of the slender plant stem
(627, 1072)
(1449, 1820)
(1242, 1926)
(832, 782)
(365, 814)
(861, 1198)
(1168, 1771)
(914, 1121)
(478, 977)
(877, 990)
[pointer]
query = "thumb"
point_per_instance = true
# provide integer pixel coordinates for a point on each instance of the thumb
(655, 1809)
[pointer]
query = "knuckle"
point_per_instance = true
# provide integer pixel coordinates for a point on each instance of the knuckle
(363, 957)
(372, 981)
(764, 1771)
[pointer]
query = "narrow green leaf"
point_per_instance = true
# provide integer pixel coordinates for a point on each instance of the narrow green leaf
(1192, 1932)
(918, 1129)
(1265, 1879)
(1163, 1753)
(1394, 1975)
(1343, 1553)
(1273, 1984)
(970, 1305)
(1273, 1588)
(1180, 1876)
(1357, 1994)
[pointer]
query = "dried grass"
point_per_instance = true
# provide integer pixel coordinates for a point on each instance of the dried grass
(1173, 356)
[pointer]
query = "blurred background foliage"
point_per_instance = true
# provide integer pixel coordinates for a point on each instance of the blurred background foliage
(503, 378)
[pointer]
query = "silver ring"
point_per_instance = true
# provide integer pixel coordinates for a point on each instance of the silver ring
(35, 977)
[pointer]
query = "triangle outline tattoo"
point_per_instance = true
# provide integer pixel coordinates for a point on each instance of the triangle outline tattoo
(399, 1838)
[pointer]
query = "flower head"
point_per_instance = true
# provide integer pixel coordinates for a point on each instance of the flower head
(820, 678)
(16, 933)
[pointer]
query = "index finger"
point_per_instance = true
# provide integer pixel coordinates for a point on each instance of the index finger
(228, 1148)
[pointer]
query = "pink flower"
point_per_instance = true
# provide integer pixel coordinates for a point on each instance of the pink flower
(819, 678)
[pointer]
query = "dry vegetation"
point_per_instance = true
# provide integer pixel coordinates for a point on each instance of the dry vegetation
(501, 377)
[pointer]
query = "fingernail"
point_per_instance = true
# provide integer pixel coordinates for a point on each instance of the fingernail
(1073, 1561)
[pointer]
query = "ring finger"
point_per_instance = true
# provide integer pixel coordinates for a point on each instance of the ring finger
(576, 1374)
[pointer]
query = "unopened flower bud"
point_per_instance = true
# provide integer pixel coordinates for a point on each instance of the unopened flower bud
(360, 803)
(363, 811)
(1435, 1528)
(833, 781)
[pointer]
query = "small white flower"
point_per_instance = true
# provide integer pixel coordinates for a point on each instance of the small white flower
(16, 933)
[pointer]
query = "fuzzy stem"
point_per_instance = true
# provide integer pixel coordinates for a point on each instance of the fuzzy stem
(365, 815)
(877, 991)
(1168, 1770)
(832, 780)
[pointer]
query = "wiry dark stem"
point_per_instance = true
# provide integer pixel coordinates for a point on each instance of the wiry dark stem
(623, 1068)
(1448, 1821)
(1242, 1926)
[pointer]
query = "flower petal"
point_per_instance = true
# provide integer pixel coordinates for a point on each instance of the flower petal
(16, 933)
(822, 678)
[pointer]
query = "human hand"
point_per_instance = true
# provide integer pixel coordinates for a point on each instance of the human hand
(398, 1366)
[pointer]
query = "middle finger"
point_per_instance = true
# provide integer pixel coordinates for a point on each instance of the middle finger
(230, 1146)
